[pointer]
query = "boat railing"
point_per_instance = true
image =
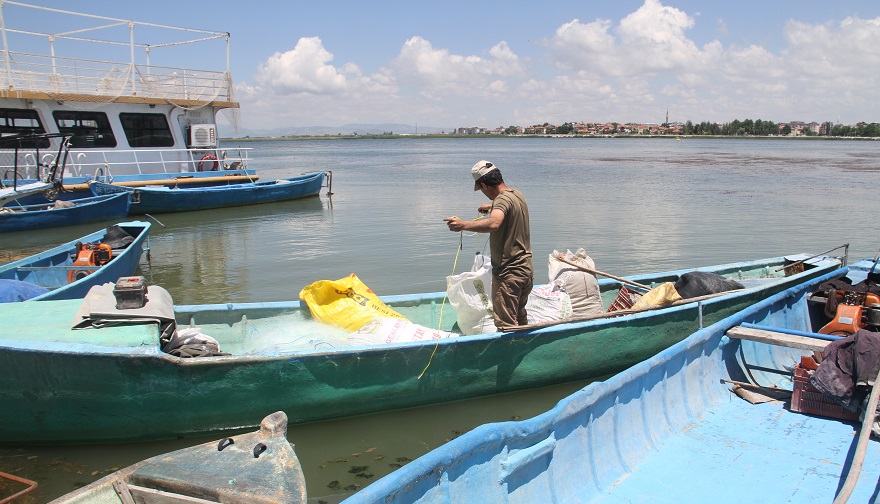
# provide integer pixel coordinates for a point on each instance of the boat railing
(122, 65)
(97, 164)
(42, 157)
(103, 81)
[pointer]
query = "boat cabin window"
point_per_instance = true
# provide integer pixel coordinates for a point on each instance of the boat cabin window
(89, 129)
(22, 122)
(146, 130)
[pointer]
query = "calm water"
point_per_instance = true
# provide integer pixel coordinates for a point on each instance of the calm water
(635, 205)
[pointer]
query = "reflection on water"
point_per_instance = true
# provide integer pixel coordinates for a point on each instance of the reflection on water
(635, 205)
(231, 255)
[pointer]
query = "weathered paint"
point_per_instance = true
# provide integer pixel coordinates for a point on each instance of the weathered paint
(666, 430)
(69, 387)
(254, 468)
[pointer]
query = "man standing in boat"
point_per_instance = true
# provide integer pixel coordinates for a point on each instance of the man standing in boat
(507, 222)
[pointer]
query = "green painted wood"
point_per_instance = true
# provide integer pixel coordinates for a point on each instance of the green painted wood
(64, 386)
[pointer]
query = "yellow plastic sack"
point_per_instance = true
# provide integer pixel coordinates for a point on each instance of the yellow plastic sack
(663, 294)
(347, 303)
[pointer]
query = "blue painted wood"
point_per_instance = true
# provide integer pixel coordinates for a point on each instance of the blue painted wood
(162, 199)
(48, 270)
(44, 216)
(666, 430)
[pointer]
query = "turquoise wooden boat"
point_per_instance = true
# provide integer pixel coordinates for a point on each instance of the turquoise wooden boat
(114, 383)
(53, 274)
(667, 430)
(183, 199)
(255, 468)
(50, 215)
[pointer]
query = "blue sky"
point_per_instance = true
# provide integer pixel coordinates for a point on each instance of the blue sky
(498, 63)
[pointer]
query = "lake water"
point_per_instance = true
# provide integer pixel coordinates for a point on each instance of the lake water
(635, 205)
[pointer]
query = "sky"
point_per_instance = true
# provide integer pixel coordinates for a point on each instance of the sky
(486, 63)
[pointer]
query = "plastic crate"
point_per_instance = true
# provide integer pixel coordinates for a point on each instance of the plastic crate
(805, 398)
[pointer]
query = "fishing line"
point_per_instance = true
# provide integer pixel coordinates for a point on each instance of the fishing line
(440, 322)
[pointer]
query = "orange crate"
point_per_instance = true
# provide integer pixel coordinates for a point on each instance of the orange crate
(805, 398)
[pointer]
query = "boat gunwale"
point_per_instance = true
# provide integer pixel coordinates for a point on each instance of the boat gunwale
(560, 328)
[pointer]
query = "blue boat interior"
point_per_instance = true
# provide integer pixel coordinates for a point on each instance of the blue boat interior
(44, 272)
(667, 430)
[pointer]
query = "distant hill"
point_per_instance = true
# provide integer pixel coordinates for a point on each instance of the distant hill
(345, 129)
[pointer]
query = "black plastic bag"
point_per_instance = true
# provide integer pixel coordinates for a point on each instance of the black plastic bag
(702, 283)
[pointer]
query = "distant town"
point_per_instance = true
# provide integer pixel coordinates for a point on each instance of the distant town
(736, 128)
(746, 127)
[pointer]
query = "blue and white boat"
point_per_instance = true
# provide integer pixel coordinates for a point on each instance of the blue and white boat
(667, 430)
(61, 213)
(135, 114)
(148, 200)
(69, 270)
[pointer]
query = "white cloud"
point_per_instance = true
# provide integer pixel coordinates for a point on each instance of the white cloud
(302, 70)
(439, 73)
(629, 69)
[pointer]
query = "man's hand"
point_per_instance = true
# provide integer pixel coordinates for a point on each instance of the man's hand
(454, 224)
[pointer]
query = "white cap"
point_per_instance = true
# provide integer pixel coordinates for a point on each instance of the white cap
(481, 168)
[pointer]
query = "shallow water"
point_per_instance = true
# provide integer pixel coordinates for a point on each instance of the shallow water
(635, 205)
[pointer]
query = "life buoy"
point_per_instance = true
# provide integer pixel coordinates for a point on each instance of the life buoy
(212, 160)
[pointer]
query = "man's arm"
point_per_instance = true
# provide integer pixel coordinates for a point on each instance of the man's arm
(485, 225)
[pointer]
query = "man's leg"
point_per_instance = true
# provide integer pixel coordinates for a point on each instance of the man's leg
(509, 297)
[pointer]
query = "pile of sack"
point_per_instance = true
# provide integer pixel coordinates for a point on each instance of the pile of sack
(570, 293)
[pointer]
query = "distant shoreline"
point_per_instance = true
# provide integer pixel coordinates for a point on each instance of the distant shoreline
(584, 137)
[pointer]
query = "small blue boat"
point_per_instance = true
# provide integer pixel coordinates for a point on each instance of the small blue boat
(68, 271)
(183, 199)
(667, 430)
(64, 213)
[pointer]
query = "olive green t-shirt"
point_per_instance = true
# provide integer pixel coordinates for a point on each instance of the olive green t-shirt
(510, 245)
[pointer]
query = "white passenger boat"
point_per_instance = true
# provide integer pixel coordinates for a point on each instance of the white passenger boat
(118, 87)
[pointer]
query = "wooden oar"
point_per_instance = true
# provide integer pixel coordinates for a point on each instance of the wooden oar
(597, 272)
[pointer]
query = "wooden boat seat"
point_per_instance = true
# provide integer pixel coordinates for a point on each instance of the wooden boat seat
(131, 494)
(777, 338)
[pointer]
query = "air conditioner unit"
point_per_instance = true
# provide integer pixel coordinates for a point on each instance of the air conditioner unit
(202, 135)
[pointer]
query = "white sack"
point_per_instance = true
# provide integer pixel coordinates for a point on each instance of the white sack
(470, 294)
(582, 287)
(548, 303)
(383, 330)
